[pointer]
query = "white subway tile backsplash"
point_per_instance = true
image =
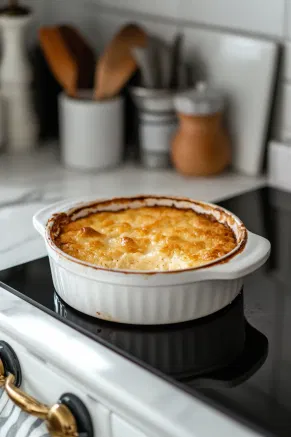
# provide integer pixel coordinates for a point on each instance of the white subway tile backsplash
(286, 62)
(282, 124)
(164, 8)
(105, 26)
(243, 69)
(279, 163)
(162, 30)
(39, 9)
(99, 20)
(288, 19)
(259, 16)
(83, 14)
(72, 11)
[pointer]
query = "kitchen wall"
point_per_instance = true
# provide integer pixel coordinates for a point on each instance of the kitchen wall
(99, 19)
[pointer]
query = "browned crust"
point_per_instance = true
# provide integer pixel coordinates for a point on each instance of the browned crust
(62, 218)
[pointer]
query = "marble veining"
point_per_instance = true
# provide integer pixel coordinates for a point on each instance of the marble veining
(28, 183)
(32, 182)
(30, 196)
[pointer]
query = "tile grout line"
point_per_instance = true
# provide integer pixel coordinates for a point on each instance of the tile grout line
(181, 24)
(123, 11)
(286, 20)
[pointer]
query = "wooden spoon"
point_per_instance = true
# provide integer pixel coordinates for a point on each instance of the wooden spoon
(117, 64)
(82, 53)
(59, 58)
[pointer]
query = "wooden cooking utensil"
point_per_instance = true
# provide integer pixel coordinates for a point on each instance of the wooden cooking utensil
(117, 63)
(82, 53)
(59, 58)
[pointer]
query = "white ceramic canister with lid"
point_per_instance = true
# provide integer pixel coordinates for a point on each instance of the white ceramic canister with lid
(91, 131)
(157, 124)
(155, 133)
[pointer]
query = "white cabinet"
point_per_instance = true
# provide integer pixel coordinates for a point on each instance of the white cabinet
(123, 399)
(120, 428)
(47, 384)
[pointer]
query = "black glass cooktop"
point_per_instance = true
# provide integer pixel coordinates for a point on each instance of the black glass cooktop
(238, 359)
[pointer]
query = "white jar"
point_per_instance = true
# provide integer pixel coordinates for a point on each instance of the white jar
(155, 134)
(91, 131)
(157, 124)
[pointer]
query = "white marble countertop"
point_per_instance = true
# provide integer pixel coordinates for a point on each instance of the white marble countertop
(27, 183)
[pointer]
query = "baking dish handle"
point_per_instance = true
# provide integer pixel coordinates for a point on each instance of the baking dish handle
(252, 257)
(41, 218)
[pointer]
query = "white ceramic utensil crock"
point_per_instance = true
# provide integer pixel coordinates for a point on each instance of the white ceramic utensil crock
(91, 131)
(149, 297)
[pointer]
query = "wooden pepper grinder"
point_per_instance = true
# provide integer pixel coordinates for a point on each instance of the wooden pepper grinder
(201, 145)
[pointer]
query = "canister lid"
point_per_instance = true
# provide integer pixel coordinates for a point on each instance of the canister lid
(201, 100)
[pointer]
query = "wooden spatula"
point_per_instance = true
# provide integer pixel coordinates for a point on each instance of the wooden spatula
(83, 54)
(117, 64)
(59, 58)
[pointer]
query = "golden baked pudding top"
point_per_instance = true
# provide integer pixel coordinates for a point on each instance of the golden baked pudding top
(156, 238)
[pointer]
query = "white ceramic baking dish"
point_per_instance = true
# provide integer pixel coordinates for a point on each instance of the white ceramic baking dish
(143, 297)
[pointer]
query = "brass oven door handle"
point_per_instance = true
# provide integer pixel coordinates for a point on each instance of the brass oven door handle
(24, 401)
(67, 418)
(59, 420)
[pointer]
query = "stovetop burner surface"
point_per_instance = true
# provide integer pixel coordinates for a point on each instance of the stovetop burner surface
(238, 358)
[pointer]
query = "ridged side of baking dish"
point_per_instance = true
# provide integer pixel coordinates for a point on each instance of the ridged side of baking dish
(150, 297)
